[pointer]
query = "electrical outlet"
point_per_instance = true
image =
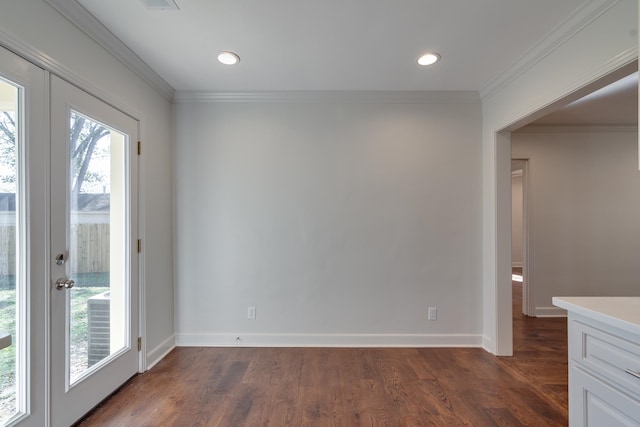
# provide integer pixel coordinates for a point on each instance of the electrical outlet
(251, 313)
(432, 313)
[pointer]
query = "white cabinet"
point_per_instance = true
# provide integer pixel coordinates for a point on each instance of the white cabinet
(593, 402)
(604, 361)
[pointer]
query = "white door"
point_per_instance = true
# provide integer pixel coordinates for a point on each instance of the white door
(94, 259)
(23, 250)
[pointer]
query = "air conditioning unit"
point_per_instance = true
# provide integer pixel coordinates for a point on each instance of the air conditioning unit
(98, 328)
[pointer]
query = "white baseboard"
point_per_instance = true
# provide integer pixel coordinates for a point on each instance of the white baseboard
(550, 312)
(516, 264)
(487, 344)
(328, 340)
(158, 353)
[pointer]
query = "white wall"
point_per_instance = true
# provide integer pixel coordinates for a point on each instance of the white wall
(340, 221)
(583, 223)
(516, 219)
(572, 61)
(33, 29)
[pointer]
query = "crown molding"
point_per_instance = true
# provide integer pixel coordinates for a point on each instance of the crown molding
(319, 97)
(75, 13)
(575, 23)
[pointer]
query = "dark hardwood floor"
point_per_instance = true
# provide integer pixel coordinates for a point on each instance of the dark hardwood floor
(353, 387)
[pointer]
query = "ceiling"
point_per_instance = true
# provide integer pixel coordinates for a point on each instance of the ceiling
(352, 45)
(331, 44)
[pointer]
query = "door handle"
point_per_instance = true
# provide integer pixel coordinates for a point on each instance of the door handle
(64, 284)
(61, 259)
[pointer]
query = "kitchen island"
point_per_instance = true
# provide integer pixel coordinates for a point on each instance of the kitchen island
(604, 360)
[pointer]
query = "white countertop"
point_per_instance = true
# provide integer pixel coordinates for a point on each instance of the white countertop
(621, 312)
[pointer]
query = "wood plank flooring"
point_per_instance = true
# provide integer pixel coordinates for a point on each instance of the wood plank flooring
(353, 387)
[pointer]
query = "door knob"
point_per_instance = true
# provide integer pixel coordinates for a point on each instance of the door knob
(64, 284)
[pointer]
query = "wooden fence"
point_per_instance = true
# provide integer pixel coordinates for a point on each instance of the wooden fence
(7, 250)
(91, 243)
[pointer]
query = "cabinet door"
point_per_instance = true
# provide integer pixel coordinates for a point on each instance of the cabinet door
(595, 403)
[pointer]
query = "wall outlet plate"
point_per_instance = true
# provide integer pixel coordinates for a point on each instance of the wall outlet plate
(432, 313)
(251, 313)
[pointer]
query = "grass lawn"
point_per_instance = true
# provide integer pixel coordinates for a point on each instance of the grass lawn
(7, 355)
(79, 296)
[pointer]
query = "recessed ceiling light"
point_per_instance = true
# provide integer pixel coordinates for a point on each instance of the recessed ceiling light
(429, 58)
(228, 58)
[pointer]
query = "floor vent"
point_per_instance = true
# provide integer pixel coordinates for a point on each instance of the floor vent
(159, 4)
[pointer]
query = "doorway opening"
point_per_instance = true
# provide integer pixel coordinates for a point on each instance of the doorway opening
(521, 291)
(574, 111)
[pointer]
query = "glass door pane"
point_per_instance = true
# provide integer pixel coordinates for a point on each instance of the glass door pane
(23, 245)
(94, 264)
(12, 268)
(97, 251)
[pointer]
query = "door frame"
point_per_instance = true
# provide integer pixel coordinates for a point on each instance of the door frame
(528, 300)
(502, 303)
(40, 390)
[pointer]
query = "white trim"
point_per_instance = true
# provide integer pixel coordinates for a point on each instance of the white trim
(142, 289)
(88, 24)
(359, 97)
(575, 23)
(528, 285)
(602, 128)
(516, 173)
(487, 344)
(47, 247)
(159, 353)
(42, 60)
(29, 53)
(550, 312)
(328, 340)
(516, 264)
(608, 72)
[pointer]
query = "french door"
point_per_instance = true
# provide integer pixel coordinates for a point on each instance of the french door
(23, 242)
(68, 258)
(93, 251)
